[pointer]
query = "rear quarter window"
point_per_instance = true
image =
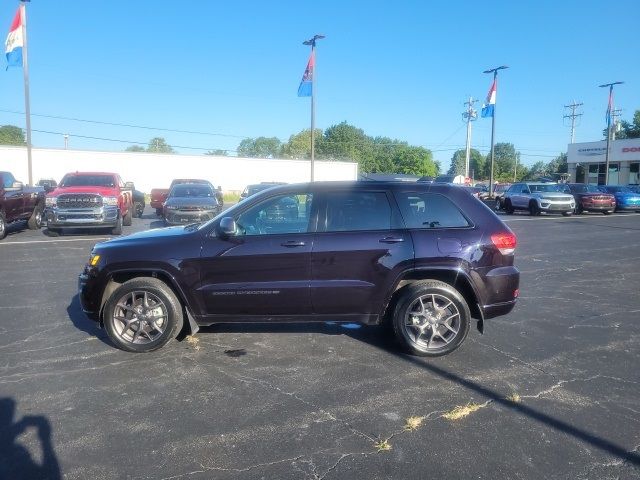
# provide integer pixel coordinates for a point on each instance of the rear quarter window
(430, 210)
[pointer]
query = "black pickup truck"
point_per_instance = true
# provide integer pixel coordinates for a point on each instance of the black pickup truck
(18, 202)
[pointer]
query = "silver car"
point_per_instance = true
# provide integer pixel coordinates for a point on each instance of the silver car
(538, 198)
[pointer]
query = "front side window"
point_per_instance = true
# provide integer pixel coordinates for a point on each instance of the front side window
(430, 210)
(282, 214)
(358, 211)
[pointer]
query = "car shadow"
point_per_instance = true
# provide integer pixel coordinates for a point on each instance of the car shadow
(16, 461)
(82, 323)
(381, 337)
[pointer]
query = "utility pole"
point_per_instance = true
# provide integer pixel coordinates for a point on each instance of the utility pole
(615, 114)
(609, 115)
(493, 120)
(66, 140)
(312, 63)
(469, 115)
(573, 115)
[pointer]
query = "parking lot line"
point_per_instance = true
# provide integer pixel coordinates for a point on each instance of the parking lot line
(84, 239)
(572, 217)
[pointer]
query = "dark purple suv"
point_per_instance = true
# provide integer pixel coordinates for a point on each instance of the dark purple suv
(424, 257)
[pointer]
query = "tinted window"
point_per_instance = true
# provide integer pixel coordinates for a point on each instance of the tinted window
(358, 211)
(282, 214)
(545, 187)
(191, 191)
(429, 210)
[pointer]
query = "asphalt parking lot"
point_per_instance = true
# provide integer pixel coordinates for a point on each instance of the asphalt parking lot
(552, 390)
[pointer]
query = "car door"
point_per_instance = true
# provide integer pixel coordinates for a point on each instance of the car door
(360, 248)
(13, 199)
(265, 269)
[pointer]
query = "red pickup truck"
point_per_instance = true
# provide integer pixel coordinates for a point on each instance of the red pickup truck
(89, 200)
(18, 202)
(159, 195)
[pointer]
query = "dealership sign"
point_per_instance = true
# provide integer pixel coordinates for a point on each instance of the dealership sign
(591, 152)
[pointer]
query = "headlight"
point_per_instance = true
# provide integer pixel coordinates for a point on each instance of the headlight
(51, 201)
(111, 201)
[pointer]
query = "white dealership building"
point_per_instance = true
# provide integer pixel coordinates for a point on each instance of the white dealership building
(156, 170)
(587, 162)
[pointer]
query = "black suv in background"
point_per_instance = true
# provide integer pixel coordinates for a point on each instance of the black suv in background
(424, 257)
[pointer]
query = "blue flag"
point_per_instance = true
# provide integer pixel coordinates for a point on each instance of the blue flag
(306, 84)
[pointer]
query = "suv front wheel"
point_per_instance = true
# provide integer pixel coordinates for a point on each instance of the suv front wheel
(431, 318)
(142, 315)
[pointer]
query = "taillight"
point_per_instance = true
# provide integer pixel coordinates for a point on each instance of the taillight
(505, 242)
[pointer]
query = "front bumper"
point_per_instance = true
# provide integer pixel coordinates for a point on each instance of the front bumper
(182, 217)
(629, 206)
(105, 216)
(556, 206)
(88, 295)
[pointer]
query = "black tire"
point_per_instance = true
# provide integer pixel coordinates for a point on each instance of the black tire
(508, 207)
(54, 232)
(159, 212)
(533, 208)
(579, 210)
(128, 218)
(35, 221)
(170, 305)
(3, 225)
(408, 298)
(139, 209)
(567, 214)
(498, 205)
(117, 230)
(607, 212)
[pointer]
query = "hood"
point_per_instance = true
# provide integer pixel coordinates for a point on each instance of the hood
(557, 195)
(154, 236)
(105, 191)
(206, 202)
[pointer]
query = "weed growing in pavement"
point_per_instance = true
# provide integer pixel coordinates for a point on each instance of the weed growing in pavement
(413, 423)
(514, 398)
(382, 446)
(462, 411)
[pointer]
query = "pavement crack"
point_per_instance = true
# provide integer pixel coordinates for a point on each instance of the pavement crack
(513, 357)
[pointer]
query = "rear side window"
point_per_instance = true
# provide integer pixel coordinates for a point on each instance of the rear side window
(430, 210)
(351, 211)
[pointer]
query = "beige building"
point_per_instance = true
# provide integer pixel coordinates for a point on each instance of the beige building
(587, 162)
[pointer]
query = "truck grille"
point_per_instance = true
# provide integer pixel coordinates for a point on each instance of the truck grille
(79, 200)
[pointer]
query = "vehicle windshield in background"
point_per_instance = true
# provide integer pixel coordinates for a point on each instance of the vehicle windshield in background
(201, 191)
(87, 181)
(547, 187)
(616, 189)
(586, 189)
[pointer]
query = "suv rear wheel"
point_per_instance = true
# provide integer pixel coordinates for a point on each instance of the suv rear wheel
(508, 207)
(3, 225)
(533, 208)
(431, 318)
(142, 315)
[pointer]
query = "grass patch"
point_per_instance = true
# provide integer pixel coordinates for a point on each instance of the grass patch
(413, 423)
(462, 411)
(382, 446)
(193, 342)
(231, 197)
(514, 398)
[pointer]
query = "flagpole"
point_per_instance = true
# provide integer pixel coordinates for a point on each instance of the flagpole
(493, 125)
(25, 69)
(312, 42)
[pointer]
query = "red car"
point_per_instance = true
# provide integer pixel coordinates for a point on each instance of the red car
(590, 199)
(89, 200)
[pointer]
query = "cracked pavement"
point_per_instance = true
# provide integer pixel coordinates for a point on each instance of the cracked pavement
(313, 401)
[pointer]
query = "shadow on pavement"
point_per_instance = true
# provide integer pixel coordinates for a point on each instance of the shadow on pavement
(16, 462)
(81, 322)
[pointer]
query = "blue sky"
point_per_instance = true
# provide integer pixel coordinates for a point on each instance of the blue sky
(399, 69)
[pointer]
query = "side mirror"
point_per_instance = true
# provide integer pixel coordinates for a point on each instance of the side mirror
(15, 187)
(129, 186)
(227, 227)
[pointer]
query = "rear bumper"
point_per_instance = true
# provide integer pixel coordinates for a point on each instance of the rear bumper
(497, 309)
(501, 289)
(100, 217)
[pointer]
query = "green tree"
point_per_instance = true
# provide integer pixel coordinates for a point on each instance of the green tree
(299, 144)
(505, 158)
(218, 152)
(260, 147)
(476, 163)
(11, 135)
(416, 161)
(159, 145)
(135, 148)
(558, 164)
(627, 129)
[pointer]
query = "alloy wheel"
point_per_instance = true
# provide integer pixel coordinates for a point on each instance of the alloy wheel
(432, 321)
(140, 317)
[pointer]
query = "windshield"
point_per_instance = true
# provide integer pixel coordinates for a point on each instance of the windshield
(585, 189)
(199, 191)
(88, 181)
(545, 187)
(616, 189)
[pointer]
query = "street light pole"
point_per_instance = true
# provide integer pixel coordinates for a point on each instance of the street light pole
(312, 42)
(609, 112)
(493, 125)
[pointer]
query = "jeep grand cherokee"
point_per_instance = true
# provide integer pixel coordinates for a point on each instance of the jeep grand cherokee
(426, 258)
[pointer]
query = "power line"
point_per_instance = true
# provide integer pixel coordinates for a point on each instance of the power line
(573, 115)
